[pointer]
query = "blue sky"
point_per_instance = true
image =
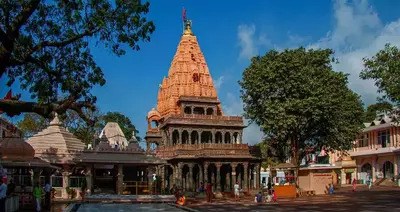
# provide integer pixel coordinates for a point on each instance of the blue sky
(231, 32)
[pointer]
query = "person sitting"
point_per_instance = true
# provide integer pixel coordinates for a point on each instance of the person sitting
(331, 189)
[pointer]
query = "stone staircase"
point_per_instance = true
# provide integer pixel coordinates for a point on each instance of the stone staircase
(388, 182)
(379, 181)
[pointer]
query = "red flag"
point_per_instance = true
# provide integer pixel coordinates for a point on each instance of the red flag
(8, 95)
(183, 14)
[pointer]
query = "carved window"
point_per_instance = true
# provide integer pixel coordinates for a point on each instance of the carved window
(154, 124)
(196, 77)
(236, 138)
(198, 111)
(188, 110)
(210, 111)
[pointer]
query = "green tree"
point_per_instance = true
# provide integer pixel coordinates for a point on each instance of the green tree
(370, 112)
(124, 122)
(299, 101)
(31, 124)
(45, 45)
(384, 69)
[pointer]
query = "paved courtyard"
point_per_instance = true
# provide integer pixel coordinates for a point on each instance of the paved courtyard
(120, 207)
(377, 199)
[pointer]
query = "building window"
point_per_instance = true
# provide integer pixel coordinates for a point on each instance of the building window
(77, 181)
(57, 181)
(384, 137)
(363, 141)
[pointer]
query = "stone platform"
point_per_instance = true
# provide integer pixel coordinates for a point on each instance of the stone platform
(114, 198)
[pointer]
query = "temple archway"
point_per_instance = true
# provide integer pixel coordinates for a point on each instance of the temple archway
(194, 136)
(218, 137)
(198, 111)
(236, 139)
(366, 168)
(187, 110)
(206, 137)
(210, 111)
(185, 137)
(175, 137)
(226, 177)
(212, 175)
(388, 170)
(227, 138)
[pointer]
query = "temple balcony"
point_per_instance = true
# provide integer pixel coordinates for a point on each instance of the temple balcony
(205, 150)
(209, 120)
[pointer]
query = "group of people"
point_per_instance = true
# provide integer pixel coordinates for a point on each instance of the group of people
(37, 192)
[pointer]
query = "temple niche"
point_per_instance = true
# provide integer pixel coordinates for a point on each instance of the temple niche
(189, 131)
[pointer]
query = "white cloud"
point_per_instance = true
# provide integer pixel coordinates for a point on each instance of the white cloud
(218, 82)
(358, 32)
(249, 42)
(252, 134)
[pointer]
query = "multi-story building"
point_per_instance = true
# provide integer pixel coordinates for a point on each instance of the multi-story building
(377, 150)
(190, 131)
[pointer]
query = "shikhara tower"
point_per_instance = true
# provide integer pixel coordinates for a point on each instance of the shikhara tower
(188, 128)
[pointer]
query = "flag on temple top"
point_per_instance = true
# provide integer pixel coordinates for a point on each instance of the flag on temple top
(8, 95)
(183, 14)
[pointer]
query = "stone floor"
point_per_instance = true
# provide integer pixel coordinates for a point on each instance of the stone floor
(376, 199)
(122, 207)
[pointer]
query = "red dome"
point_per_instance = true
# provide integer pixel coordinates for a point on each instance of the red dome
(16, 149)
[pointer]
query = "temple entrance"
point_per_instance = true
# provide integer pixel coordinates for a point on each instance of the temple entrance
(226, 178)
(136, 180)
(104, 179)
(388, 170)
(185, 178)
(196, 177)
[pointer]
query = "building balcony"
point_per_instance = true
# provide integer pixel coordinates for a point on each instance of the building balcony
(195, 119)
(204, 151)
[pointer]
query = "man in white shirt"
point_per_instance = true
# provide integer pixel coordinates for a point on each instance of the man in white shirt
(236, 190)
(3, 194)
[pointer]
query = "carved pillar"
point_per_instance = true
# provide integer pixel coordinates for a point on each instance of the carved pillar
(223, 136)
(245, 176)
(190, 137)
(218, 165)
(89, 177)
(173, 177)
(240, 138)
(199, 138)
(162, 176)
(179, 177)
(65, 178)
(254, 177)
(213, 139)
(233, 179)
(120, 179)
(205, 177)
(180, 136)
(191, 183)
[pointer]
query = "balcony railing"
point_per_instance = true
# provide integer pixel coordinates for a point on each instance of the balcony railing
(212, 117)
(203, 150)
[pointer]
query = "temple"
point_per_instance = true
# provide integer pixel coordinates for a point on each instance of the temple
(189, 130)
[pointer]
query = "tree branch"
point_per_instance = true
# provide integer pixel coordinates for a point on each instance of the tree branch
(23, 17)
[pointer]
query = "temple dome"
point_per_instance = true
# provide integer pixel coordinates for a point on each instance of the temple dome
(16, 149)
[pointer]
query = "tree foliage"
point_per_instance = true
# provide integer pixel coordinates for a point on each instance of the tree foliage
(299, 101)
(31, 124)
(45, 46)
(384, 69)
(372, 110)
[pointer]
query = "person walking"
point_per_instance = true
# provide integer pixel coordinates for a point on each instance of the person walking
(354, 184)
(209, 193)
(236, 188)
(37, 194)
(3, 194)
(47, 190)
